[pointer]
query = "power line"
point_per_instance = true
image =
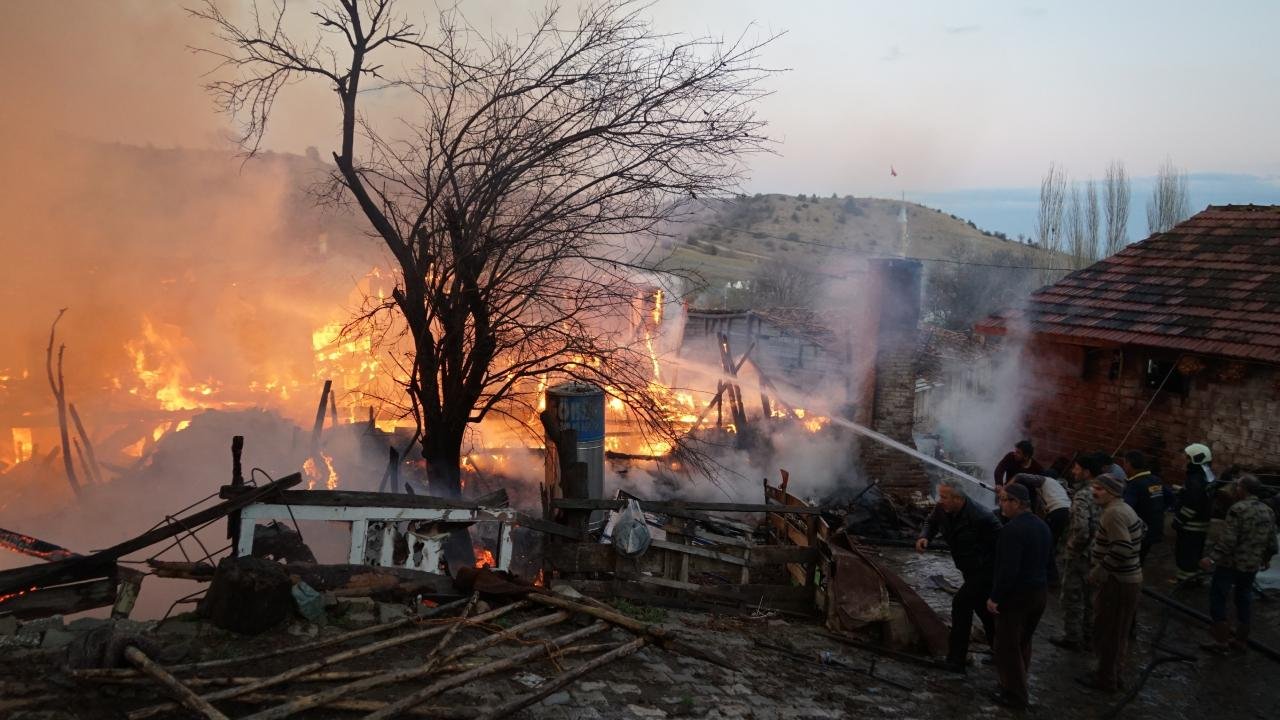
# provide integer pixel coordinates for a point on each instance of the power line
(850, 250)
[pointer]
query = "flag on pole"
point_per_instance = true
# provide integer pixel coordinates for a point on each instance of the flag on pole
(893, 172)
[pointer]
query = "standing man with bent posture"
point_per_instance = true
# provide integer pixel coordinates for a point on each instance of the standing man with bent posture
(1117, 577)
(1019, 592)
(970, 531)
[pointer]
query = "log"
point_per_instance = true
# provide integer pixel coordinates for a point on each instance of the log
(432, 656)
(546, 688)
(367, 706)
(183, 693)
(324, 697)
(307, 668)
(102, 563)
(546, 647)
(664, 637)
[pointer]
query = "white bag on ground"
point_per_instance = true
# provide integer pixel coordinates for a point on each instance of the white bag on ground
(631, 534)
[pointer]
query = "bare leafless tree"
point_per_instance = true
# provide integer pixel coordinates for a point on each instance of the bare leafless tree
(1117, 208)
(515, 192)
(1077, 236)
(785, 285)
(1091, 222)
(1170, 201)
(1053, 193)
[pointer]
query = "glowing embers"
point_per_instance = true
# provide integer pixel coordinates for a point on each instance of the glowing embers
(315, 475)
(484, 557)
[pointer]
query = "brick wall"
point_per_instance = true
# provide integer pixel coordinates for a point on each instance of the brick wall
(888, 388)
(1086, 399)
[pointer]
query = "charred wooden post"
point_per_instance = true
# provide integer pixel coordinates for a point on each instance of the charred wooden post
(237, 485)
(59, 387)
(391, 476)
(318, 426)
(94, 471)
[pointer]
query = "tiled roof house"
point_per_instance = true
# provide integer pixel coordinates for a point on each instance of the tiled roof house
(1173, 340)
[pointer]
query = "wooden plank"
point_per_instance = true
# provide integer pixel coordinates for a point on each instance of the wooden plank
(697, 551)
(61, 600)
(673, 507)
(350, 498)
(598, 557)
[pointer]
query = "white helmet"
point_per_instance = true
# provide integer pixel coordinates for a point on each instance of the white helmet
(1199, 453)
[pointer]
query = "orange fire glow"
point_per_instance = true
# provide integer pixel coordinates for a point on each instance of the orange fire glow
(23, 445)
(7, 597)
(484, 558)
(162, 372)
(315, 475)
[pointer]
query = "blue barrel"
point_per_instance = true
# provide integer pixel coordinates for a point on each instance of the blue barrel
(579, 406)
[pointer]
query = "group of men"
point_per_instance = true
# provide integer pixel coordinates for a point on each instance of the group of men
(1105, 526)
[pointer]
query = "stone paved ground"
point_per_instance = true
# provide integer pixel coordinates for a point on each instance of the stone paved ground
(784, 669)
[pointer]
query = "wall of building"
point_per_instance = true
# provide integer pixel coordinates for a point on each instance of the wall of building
(1086, 399)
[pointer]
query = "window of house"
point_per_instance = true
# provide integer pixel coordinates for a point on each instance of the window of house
(1165, 372)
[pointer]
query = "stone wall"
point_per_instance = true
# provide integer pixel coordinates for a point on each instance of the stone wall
(1086, 399)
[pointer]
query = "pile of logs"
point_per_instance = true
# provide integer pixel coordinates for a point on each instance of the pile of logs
(204, 689)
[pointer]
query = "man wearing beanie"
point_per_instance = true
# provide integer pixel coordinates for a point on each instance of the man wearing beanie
(1117, 575)
(1019, 591)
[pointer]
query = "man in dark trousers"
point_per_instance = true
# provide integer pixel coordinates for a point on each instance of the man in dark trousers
(970, 531)
(1191, 524)
(1020, 460)
(1018, 592)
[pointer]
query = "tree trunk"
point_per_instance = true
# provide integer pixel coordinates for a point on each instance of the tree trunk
(441, 449)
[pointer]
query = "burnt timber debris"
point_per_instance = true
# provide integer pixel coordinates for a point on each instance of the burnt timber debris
(778, 558)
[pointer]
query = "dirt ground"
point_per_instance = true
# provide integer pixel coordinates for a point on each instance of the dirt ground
(782, 668)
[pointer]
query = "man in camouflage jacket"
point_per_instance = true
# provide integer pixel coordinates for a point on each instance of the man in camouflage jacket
(1245, 546)
(1077, 595)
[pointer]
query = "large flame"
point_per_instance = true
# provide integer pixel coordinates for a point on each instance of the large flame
(162, 371)
(315, 475)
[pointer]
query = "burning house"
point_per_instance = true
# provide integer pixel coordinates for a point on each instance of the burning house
(1174, 340)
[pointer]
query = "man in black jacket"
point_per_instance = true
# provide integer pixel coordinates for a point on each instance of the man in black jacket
(970, 531)
(1192, 521)
(1019, 591)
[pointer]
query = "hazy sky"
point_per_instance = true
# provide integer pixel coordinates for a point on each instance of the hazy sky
(955, 95)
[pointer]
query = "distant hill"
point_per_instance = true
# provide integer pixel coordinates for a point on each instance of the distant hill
(728, 240)
(738, 246)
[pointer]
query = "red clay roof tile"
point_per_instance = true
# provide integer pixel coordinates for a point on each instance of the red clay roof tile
(1209, 285)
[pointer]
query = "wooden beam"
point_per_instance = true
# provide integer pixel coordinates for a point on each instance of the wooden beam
(61, 599)
(102, 563)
